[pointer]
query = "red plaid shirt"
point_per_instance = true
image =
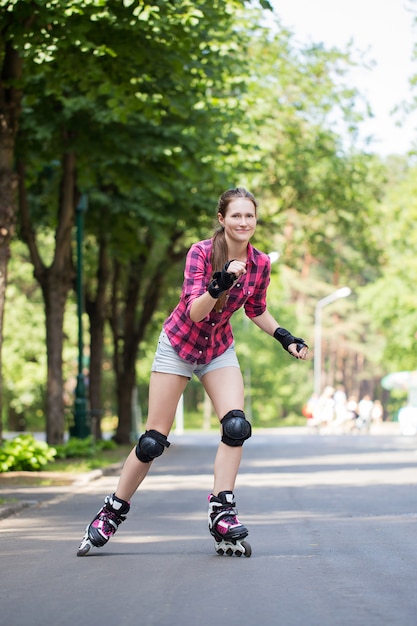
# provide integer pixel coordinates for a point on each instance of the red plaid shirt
(200, 342)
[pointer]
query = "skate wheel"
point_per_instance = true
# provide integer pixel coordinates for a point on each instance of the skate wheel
(84, 548)
(248, 549)
(220, 551)
(238, 553)
(229, 552)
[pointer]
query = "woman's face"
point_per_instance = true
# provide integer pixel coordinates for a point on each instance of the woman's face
(240, 220)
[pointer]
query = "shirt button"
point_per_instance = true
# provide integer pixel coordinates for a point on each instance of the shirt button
(206, 338)
(213, 324)
(200, 352)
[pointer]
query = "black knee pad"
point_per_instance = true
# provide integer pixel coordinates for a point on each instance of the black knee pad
(151, 445)
(236, 428)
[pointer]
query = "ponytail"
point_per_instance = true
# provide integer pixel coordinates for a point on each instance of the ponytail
(219, 257)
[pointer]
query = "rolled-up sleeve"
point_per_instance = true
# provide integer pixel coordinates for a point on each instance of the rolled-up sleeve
(196, 272)
(256, 303)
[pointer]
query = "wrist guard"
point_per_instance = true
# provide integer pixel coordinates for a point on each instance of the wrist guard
(222, 281)
(286, 338)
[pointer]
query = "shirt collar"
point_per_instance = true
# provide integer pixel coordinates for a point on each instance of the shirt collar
(251, 256)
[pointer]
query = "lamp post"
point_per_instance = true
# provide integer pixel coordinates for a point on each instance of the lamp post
(343, 292)
(80, 428)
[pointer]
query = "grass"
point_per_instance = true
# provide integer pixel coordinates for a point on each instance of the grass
(100, 459)
(8, 501)
(61, 471)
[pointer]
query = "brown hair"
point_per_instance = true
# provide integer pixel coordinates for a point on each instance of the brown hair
(219, 252)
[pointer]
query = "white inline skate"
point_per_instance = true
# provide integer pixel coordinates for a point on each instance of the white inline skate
(104, 525)
(228, 532)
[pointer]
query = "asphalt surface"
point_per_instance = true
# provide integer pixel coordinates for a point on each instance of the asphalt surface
(332, 523)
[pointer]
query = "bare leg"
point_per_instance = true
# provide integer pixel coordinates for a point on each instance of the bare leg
(165, 391)
(225, 388)
(226, 467)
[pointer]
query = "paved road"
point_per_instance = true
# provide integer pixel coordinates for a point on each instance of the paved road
(332, 524)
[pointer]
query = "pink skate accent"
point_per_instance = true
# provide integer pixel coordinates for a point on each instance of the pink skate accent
(105, 524)
(226, 524)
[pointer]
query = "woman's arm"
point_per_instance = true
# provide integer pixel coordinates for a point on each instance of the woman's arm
(266, 323)
(269, 325)
(202, 305)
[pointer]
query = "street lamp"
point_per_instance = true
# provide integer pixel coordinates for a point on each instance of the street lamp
(80, 428)
(343, 292)
(273, 256)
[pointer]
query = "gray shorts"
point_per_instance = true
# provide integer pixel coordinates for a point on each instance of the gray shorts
(167, 361)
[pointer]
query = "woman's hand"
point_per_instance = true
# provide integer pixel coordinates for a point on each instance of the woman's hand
(236, 267)
(298, 350)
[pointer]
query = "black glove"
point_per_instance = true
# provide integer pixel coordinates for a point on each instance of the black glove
(221, 282)
(285, 338)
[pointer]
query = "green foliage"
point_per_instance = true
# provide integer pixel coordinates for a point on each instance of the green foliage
(83, 448)
(304, 162)
(24, 361)
(24, 355)
(164, 104)
(25, 453)
(391, 300)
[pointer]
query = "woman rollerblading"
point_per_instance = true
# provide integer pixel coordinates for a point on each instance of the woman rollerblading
(222, 275)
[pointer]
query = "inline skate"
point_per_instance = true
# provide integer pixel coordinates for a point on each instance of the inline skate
(228, 532)
(104, 525)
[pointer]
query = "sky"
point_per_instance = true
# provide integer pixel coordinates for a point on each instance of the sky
(384, 30)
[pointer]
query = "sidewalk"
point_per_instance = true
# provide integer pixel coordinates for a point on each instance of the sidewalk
(19, 490)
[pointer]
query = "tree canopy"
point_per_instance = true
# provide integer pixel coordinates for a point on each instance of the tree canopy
(151, 110)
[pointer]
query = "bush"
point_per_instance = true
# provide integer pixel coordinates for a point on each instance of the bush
(83, 448)
(25, 453)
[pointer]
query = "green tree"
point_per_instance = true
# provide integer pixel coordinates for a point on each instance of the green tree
(391, 299)
(320, 194)
(153, 131)
(31, 34)
(124, 122)
(24, 360)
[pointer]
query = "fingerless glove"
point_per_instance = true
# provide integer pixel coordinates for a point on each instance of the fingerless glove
(286, 338)
(221, 282)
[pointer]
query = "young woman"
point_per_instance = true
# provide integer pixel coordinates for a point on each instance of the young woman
(221, 275)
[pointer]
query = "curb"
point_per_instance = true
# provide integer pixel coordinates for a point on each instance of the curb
(13, 507)
(6, 510)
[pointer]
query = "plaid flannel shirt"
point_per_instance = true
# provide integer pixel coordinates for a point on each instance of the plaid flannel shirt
(200, 342)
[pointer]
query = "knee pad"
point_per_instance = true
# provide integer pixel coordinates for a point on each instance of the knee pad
(236, 428)
(151, 445)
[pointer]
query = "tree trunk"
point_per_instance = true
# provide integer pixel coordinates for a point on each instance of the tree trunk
(4, 258)
(125, 381)
(55, 292)
(56, 282)
(131, 310)
(129, 325)
(10, 107)
(126, 338)
(96, 310)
